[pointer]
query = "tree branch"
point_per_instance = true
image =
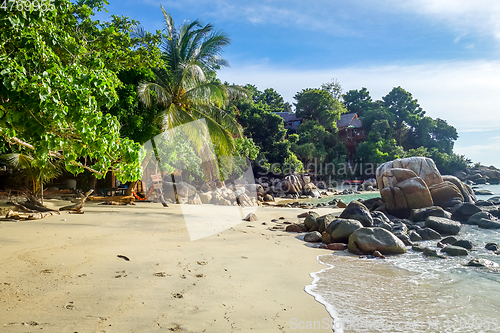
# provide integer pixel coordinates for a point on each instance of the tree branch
(51, 153)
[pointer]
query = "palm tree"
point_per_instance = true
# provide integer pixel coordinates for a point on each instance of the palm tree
(187, 88)
(39, 175)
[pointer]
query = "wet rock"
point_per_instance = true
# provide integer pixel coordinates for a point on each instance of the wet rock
(482, 203)
(377, 254)
(492, 247)
(487, 224)
(476, 218)
(483, 192)
(466, 244)
(341, 229)
(417, 248)
(495, 200)
(326, 237)
(337, 246)
(462, 212)
(428, 234)
(421, 214)
(312, 237)
(448, 240)
(443, 225)
(414, 236)
(428, 252)
(466, 191)
(405, 239)
(368, 240)
(479, 262)
(381, 220)
(455, 250)
(357, 211)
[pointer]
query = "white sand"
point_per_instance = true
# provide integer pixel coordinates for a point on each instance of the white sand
(65, 276)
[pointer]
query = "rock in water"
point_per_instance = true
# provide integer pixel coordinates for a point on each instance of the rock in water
(478, 217)
(466, 244)
(455, 250)
(478, 262)
(421, 214)
(368, 240)
(443, 225)
(428, 234)
(357, 211)
(251, 217)
(312, 237)
(492, 247)
(448, 240)
(462, 212)
(432, 253)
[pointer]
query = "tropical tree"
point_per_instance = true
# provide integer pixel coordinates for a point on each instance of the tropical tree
(57, 71)
(186, 87)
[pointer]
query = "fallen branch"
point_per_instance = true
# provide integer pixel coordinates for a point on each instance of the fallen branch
(77, 208)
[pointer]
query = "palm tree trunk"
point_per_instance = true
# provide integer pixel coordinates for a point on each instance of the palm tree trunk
(175, 188)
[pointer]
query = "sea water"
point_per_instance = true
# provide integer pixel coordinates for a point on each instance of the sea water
(412, 293)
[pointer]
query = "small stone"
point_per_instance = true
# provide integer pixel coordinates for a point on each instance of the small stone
(337, 246)
(466, 244)
(455, 250)
(312, 237)
(448, 240)
(251, 217)
(377, 254)
(492, 247)
(432, 253)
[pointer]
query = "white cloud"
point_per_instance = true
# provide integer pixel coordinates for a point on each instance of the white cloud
(481, 16)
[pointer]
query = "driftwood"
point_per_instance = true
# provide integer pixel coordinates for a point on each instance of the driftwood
(116, 203)
(77, 208)
(32, 209)
(29, 215)
(116, 198)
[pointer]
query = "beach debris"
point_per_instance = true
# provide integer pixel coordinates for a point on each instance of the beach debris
(116, 203)
(251, 217)
(77, 208)
(202, 263)
(118, 198)
(161, 274)
(32, 209)
(178, 295)
(69, 306)
(123, 257)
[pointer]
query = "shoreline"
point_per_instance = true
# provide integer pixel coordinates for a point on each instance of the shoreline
(65, 275)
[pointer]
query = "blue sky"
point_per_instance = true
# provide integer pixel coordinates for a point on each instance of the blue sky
(445, 52)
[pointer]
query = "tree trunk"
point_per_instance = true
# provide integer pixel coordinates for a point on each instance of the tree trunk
(131, 187)
(175, 188)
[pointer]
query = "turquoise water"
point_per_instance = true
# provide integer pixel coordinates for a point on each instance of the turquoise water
(412, 293)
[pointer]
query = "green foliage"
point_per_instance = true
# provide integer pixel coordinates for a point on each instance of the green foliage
(318, 105)
(447, 164)
(358, 101)
(58, 70)
(29, 167)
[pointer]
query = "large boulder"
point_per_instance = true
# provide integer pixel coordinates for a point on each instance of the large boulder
(341, 229)
(428, 234)
(423, 167)
(444, 193)
(409, 194)
(443, 225)
(368, 240)
(292, 184)
(357, 211)
(324, 221)
(310, 221)
(466, 191)
(478, 217)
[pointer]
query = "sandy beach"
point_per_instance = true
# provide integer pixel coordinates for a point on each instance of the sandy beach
(64, 273)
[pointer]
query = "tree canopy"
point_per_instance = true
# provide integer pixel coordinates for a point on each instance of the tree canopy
(58, 69)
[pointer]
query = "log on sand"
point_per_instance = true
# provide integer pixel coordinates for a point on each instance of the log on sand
(116, 198)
